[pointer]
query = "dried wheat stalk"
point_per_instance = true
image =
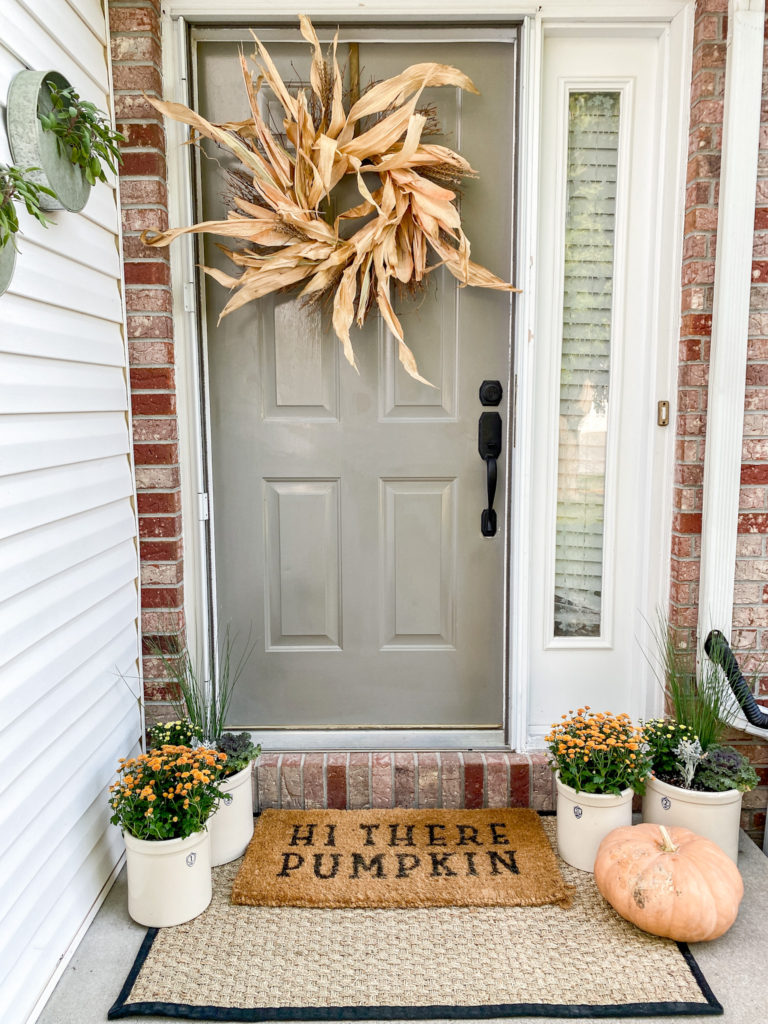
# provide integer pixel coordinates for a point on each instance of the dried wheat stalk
(282, 194)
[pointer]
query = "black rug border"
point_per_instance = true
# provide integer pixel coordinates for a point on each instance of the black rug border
(122, 1008)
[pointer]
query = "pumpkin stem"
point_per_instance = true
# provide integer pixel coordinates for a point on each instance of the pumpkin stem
(667, 845)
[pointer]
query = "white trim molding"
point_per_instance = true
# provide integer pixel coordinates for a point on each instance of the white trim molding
(730, 319)
(574, 11)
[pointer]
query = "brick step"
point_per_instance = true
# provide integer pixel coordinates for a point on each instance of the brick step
(358, 780)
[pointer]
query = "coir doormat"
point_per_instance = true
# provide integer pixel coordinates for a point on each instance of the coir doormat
(399, 858)
(240, 963)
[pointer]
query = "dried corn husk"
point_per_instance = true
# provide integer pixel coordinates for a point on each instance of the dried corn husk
(285, 216)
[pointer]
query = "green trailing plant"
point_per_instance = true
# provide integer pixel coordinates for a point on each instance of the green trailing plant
(240, 751)
(83, 133)
(17, 188)
(203, 698)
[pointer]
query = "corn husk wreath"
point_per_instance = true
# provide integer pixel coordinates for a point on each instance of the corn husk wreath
(284, 201)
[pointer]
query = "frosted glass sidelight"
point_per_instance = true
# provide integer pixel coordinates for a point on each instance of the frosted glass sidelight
(593, 142)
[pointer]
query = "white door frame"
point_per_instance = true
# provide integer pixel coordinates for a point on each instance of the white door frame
(672, 22)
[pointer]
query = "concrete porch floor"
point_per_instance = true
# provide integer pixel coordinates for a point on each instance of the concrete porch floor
(734, 966)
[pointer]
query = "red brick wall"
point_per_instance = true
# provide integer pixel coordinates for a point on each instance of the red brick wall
(136, 69)
(750, 615)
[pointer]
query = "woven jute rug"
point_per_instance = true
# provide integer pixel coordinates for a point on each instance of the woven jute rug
(399, 858)
(240, 963)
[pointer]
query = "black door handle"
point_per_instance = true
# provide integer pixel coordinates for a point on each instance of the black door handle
(489, 446)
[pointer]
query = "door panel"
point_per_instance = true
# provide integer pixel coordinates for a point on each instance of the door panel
(347, 506)
(302, 591)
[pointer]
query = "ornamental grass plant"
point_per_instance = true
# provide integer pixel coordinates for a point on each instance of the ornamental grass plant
(201, 696)
(168, 793)
(598, 752)
(686, 746)
(697, 691)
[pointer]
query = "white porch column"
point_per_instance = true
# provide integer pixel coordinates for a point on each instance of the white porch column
(733, 277)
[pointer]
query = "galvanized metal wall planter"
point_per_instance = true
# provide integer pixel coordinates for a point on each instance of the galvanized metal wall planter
(7, 265)
(32, 146)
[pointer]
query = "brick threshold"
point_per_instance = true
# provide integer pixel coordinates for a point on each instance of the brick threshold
(358, 780)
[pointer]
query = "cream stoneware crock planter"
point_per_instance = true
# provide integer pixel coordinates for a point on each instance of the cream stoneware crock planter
(231, 824)
(716, 816)
(169, 880)
(585, 819)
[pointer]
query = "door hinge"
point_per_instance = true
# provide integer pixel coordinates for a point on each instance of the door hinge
(662, 414)
(202, 498)
(189, 296)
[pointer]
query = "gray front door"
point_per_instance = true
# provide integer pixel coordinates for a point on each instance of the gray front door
(347, 507)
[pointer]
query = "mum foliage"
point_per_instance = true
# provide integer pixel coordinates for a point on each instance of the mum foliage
(168, 793)
(284, 205)
(598, 752)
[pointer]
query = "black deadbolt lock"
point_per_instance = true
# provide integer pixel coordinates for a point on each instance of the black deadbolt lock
(491, 392)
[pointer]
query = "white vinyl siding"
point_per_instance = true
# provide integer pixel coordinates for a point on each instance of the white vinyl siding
(69, 672)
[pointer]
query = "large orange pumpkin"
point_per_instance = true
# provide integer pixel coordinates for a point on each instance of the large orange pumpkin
(669, 882)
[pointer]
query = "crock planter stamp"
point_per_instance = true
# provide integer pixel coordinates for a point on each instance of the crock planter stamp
(32, 146)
